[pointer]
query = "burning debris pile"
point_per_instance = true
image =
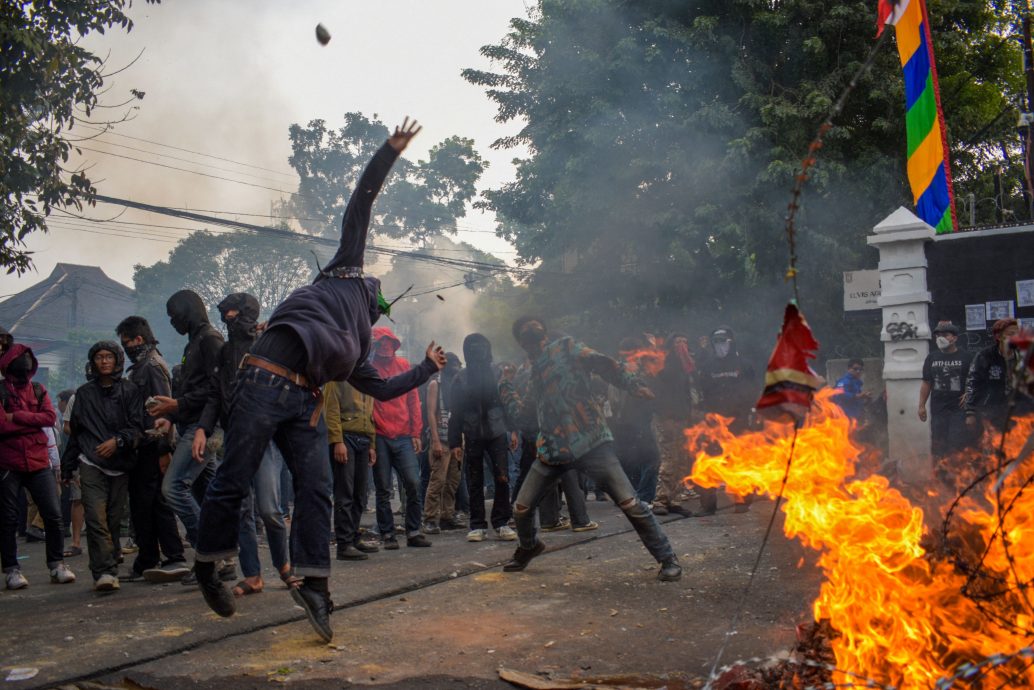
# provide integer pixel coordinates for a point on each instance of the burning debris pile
(893, 610)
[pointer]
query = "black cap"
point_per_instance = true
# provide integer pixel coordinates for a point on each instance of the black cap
(946, 327)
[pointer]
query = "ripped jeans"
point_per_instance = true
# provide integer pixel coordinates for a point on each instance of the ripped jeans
(603, 467)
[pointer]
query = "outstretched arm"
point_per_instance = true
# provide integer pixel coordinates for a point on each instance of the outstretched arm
(356, 223)
(367, 380)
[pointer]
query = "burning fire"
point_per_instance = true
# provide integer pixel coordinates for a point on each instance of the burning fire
(648, 361)
(904, 616)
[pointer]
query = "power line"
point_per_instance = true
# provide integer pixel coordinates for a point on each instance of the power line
(193, 172)
(105, 130)
(176, 158)
(468, 264)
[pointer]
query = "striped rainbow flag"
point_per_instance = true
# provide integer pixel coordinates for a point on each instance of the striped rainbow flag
(929, 170)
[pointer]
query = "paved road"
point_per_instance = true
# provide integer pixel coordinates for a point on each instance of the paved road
(418, 617)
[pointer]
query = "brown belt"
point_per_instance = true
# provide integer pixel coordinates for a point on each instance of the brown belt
(295, 378)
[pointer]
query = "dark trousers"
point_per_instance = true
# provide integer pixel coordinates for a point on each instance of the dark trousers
(350, 489)
(495, 449)
(43, 489)
(948, 433)
(153, 519)
(268, 408)
(640, 458)
(105, 503)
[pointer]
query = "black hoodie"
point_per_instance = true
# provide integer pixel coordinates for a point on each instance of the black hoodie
(242, 331)
(193, 386)
(101, 413)
(476, 409)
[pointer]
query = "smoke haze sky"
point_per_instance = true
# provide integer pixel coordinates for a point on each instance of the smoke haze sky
(229, 78)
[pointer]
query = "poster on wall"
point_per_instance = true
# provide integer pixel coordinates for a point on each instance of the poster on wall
(1002, 309)
(1026, 324)
(1025, 293)
(976, 319)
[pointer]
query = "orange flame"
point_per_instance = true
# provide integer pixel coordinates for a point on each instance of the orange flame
(902, 614)
(648, 361)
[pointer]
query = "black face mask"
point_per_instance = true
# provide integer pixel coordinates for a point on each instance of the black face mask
(137, 352)
(180, 323)
(19, 369)
(241, 327)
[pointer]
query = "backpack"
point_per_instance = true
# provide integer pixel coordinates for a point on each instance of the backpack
(37, 388)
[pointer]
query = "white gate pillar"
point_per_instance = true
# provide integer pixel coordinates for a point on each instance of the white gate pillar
(901, 239)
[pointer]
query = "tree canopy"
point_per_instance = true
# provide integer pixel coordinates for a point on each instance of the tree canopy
(48, 82)
(419, 200)
(664, 135)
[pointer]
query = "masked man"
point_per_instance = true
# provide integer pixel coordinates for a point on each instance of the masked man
(574, 433)
(320, 333)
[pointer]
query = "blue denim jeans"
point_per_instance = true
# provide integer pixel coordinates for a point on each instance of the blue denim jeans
(602, 466)
(269, 408)
(184, 482)
(397, 454)
(264, 496)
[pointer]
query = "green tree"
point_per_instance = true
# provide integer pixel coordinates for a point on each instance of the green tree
(48, 82)
(215, 265)
(419, 200)
(663, 138)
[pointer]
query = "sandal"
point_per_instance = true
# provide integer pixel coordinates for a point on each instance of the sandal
(289, 578)
(72, 551)
(245, 588)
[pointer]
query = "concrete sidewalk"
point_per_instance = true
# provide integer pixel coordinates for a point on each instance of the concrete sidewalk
(591, 606)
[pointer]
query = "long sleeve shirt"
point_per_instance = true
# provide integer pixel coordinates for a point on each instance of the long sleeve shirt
(347, 411)
(332, 316)
(399, 417)
(571, 421)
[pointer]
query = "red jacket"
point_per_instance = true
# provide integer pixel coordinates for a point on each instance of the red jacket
(23, 443)
(399, 417)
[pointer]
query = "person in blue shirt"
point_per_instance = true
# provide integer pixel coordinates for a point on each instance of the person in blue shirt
(852, 398)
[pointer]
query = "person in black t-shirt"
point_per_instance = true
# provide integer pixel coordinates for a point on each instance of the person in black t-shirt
(944, 382)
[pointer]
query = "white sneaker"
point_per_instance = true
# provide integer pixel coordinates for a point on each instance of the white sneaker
(477, 534)
(61, 575)
(106, 583)
(15, 579)
(505, 533)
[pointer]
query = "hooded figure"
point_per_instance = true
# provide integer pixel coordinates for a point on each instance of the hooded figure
(23, 443)
(400, 417)
(242, 329)
(479, 418)
(320, 333)
(727, 381)
(105, 408)
(192, 387)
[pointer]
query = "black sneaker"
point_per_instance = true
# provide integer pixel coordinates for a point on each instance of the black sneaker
(218, 597)
(169, 572)
(131, 576)
(670, 570)
(418, 540)
(450, 524)
(366, 547)
(318, 607)
(522, 557)
(391, 544)
(680, 510)
(350, 553)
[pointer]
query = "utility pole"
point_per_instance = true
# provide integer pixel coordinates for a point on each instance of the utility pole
(1027, 116)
